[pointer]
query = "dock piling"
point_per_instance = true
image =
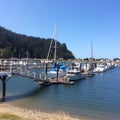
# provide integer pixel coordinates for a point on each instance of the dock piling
(3, 79)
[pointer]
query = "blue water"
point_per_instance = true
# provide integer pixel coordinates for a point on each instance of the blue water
(96, 97)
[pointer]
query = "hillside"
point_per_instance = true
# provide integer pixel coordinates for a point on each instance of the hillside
(19, 46)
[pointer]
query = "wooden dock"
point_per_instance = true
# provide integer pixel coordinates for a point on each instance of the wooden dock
(55, 81)
(62, 82)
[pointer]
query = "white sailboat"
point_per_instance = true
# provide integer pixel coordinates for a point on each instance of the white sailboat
(88, 67)
(57, 68)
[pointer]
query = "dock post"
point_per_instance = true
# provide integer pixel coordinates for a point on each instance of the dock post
(3, 79)
(86, 68)
(46, 69)
(57, 74)
(80, 67)
(57, 66)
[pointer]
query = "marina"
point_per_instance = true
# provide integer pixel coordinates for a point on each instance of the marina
(96, 97)
(59, 60)
(77, 94)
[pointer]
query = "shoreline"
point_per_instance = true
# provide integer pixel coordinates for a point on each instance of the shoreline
(35, 114)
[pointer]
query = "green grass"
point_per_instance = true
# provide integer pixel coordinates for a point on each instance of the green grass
(8, 116)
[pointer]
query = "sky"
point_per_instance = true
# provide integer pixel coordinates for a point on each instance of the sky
(78, 21)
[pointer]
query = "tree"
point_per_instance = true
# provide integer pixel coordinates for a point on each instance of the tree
(18, 44)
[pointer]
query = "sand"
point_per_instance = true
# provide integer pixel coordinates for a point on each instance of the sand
(34, 115)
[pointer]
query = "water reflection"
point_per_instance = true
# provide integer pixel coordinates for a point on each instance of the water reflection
(97, 96)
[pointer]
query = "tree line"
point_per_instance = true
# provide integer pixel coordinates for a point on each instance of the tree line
(22, 46)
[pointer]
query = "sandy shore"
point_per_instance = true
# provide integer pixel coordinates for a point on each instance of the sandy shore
(34, 115)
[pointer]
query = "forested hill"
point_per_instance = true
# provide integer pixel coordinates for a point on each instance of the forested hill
(19, 46)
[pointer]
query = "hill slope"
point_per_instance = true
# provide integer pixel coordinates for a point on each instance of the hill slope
(19, 45)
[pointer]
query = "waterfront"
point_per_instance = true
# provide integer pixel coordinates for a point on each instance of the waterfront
(95, 97)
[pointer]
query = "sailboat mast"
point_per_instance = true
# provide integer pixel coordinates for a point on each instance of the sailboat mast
(55, 43)
(91, 50)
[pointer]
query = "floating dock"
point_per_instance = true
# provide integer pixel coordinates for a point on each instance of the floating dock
(55, 81)
(62, 82)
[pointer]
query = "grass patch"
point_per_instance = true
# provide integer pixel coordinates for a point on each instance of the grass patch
(9, 116)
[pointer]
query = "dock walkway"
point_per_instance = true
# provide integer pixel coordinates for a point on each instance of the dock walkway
(40, 78)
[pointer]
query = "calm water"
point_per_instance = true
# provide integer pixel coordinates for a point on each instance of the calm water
(97, 97)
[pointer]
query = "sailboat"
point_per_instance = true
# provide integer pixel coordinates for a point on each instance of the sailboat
(57, 70)
(88, 67)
